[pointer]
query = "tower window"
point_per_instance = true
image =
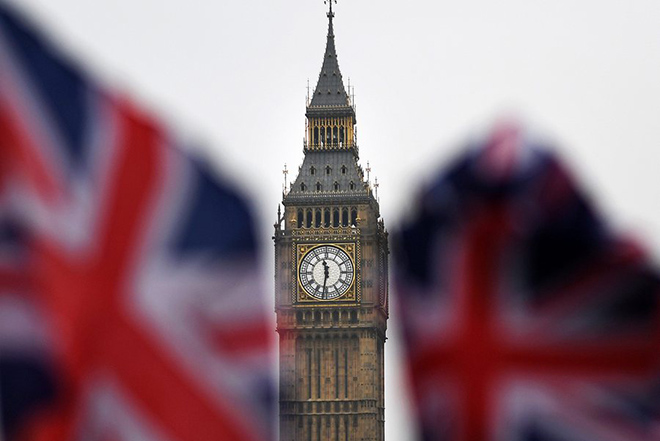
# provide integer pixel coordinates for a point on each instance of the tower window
(344, 217)
(341, 135)
(336, 186)
(322, 134)
(343, 169)
(318, 186)
(317, 218)
(303, 187)
(308, 222)
(335, 218)
(300, 218)
(316, 135)
(351, 185)
(328, 170)
(326, 217)
(354, 217)
(334, 135)
(312, 170)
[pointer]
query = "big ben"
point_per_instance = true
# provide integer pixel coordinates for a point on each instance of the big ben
(331, 279)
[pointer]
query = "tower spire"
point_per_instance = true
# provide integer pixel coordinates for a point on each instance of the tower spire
(330, 114)
(330, 91)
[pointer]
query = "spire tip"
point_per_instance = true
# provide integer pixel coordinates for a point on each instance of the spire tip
(329, 3)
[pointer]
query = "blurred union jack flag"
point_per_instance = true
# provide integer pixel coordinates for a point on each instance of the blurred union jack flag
(130, 295)
(525, 318)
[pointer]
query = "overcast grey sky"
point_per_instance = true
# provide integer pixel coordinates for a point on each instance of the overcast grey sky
(232, 77)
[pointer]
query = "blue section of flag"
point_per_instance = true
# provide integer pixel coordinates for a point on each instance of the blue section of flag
(26, 384)
(558, 243)
(61, 88)
(219, 223)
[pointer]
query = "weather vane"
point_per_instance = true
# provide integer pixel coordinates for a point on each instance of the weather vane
(329, 2)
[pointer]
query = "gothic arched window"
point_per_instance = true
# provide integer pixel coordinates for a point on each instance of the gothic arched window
(335, 217)
(312, 170)
(343, 169)
(303, 187)
(308, 219)
(300, 218)
(344, 217)
(328, 170)
(354, 216)
(326, 217)
(318, 186)
(351, 185)
(317, 218)
(336, 186)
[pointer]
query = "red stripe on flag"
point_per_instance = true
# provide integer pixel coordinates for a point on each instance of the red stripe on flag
(13, 279)
(243, 337)
(19, 148)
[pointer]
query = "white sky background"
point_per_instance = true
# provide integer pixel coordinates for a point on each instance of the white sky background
(231, 76)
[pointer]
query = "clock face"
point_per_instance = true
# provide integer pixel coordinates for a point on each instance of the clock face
(326, 272)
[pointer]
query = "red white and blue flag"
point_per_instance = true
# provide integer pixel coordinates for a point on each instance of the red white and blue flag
(525, 318)
(141, 266)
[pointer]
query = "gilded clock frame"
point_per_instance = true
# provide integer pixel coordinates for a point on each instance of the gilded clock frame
(352, 294)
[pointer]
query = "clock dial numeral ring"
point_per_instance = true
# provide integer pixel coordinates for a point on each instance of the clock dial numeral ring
(326, 272)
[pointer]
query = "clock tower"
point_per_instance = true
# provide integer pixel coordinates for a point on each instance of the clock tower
(331, 279)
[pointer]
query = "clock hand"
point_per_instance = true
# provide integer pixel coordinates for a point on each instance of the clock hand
(326, 274)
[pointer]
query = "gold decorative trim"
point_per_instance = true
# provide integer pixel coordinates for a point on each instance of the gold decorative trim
(336, 231)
